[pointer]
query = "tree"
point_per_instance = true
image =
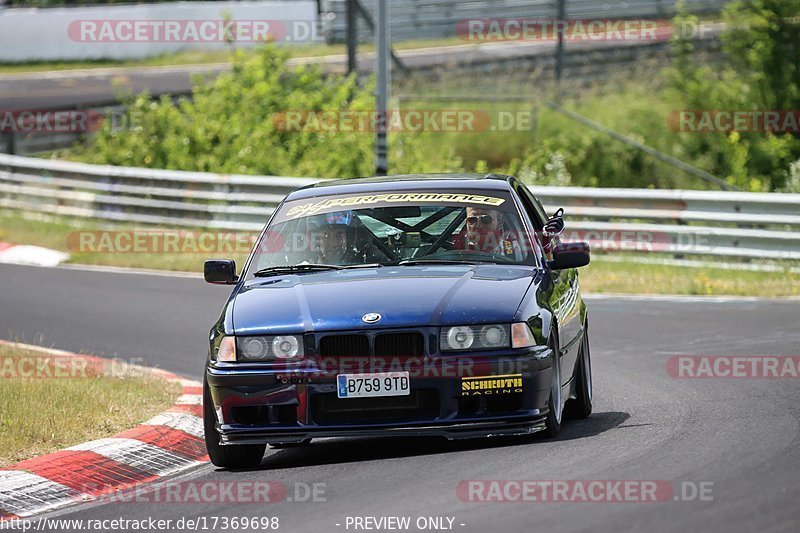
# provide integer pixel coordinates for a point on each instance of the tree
(761, 42)
(236, 124)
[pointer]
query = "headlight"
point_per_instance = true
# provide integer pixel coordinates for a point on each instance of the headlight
(285, 347)
(269, 348)
(460, 338)
(253, 348)
(494, 335)
(487, 337)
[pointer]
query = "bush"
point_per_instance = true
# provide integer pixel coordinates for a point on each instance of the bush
(231, 125)
(761, 73)
(228, 125)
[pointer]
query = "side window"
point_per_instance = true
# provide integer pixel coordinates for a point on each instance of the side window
(533, 207)
(539, 218)
(528, 203)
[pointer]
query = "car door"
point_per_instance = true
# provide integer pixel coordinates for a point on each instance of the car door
(565, 297)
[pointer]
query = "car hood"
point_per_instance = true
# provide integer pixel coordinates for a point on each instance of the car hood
(407, 296)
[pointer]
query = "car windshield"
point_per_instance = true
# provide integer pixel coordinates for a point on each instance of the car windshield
(410, 227)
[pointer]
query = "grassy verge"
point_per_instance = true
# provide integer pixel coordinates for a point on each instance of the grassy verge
(205, 57)
(606, 274)
(62, 234)
(41, 413)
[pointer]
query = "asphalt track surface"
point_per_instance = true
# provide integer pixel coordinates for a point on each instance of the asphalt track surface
(67, 89)
(741, 435)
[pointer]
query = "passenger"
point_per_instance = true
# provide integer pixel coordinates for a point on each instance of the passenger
(485, 232)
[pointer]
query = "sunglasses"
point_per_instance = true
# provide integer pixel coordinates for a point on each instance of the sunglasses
(335, 234)
(484, 220)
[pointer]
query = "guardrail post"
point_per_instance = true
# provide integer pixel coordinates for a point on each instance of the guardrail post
(11, 143)
(352, 36)
(562, 14)
(680, 256)
(384, 80)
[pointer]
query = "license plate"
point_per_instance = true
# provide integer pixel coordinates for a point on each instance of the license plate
(373, 385)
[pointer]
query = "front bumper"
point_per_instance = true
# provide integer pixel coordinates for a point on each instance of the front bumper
(259, 404)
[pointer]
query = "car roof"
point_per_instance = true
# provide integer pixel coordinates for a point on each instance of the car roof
(449, 182)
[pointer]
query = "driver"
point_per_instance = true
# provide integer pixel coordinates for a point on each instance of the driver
(485, 232)
(335, 240)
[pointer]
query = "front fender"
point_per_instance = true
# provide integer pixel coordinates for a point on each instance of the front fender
(536, 311)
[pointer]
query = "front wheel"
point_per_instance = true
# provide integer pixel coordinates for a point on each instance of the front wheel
(232, 456)
(581, 406)
(553, 422)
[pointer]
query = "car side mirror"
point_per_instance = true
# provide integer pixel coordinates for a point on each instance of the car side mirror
(570, 255)
(220, 272)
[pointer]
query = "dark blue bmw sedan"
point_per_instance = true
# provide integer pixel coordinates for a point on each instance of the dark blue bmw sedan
(410, 305)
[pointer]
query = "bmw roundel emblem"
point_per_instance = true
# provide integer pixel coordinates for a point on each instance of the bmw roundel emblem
(371, 318)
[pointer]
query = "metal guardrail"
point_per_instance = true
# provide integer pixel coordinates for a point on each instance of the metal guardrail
(680, 222)
(433, 19)
(141, 196)
(699, 223)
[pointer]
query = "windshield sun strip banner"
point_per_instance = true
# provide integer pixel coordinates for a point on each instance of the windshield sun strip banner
(383, 200)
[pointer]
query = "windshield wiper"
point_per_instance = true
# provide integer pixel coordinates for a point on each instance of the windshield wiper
(421, 261)
(294, 269)
(366, 265)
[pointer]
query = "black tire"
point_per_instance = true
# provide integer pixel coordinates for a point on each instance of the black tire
(581, 405)
(554, 413)
(232, 456)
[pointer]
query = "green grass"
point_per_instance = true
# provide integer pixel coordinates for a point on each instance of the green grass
(63, 234)
(629, 277)
(40, 414)
(606, 274)
(201, 57)
(636, 106)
